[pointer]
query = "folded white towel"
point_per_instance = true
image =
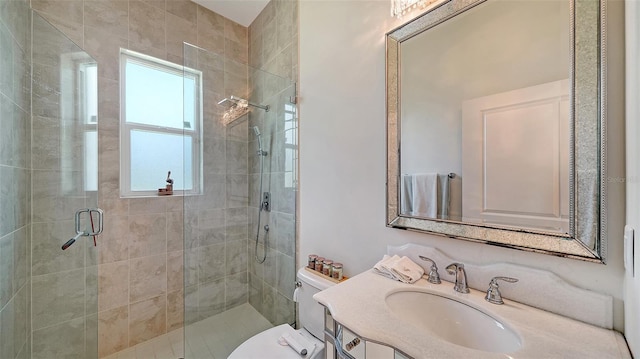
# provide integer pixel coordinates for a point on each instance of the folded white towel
(382, 270)
(399, 268)
(407, 270)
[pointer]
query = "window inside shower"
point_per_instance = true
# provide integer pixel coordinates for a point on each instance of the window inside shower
(161, 121)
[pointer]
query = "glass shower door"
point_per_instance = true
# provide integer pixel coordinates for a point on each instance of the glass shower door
(239, 273)
(64, 176)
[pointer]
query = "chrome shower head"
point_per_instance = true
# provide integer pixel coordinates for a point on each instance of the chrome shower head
(232, 100)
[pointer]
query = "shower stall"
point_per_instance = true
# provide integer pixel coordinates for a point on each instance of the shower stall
(239, 235)
(207, 269)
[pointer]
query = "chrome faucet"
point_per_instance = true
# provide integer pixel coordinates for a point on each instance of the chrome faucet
(457, 269)
(493, 293)
(433, 276)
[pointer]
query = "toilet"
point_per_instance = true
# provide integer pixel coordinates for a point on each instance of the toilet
(265, 345)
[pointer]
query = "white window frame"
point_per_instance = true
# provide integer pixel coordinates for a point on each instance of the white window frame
(126, 128)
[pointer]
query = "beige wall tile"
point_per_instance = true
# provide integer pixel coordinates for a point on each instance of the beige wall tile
(209, 22)
(210, 298)
(175, 234)
(236, 257)
(146, 28)
(113, 330)
(185, 9)
(147, 205)
(157, 3)
(236, 51)
(113, 285)
(210, 30)
(236, 290)
(148, 235)
(91, 336)
(179, 31)
(175, 310)
(235, 85)
(108, 16)
(104, 45)
(64, 340)
(147, 278)
(48, 258)
(58, 297)
(236, 32)
(175, 271)
(91, 289)
(114, 241)
(147, 319)
(237, 220)
(211, 262)
(108, 102)
(270, 39)
(73, 30)
(211, 227)
(68, 10)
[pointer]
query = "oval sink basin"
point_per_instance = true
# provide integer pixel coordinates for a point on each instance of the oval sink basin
(453, 321)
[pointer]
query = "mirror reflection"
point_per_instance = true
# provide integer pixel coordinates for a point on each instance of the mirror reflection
(485, 117)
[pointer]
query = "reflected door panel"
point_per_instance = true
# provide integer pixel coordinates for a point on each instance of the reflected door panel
(515, 158)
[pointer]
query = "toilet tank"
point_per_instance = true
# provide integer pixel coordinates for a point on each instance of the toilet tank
(310, 313)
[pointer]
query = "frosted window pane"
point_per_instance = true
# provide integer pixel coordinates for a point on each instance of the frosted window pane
(153, 96)
(151, 162)
(91, 161)
(91, 93)
(190, 103)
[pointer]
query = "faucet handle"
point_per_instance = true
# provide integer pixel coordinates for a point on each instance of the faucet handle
(433, 276)
(493, 293)
(453, 267)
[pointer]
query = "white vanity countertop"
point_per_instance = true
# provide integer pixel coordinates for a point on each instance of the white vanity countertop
(360, 305)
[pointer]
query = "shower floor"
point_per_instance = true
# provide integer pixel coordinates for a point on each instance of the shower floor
(212, 338)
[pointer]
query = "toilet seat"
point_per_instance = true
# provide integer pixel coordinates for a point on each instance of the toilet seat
(264, 345)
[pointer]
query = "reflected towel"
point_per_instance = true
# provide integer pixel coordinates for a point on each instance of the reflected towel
(406, 195)
(425, 195)
(444, 197)
(399, 268)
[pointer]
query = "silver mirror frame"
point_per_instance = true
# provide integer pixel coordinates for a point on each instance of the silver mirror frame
(587, 238)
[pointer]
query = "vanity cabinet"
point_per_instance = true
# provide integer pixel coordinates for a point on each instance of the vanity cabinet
(339, 339)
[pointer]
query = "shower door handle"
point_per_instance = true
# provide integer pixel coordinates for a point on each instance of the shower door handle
(91, 211)
(79, 232)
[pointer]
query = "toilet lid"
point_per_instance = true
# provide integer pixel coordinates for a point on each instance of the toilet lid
(265, 345)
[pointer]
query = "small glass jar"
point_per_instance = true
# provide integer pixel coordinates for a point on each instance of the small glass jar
(318, 266)
(336, 271)
(312, 261)
(327, 267)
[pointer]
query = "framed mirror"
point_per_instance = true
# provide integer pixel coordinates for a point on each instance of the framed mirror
(496, 124)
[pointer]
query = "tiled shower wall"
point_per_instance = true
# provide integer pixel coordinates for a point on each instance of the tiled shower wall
(140, 263)
(15, 176)
(216, 222)
(63, 283)
(273, 49)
